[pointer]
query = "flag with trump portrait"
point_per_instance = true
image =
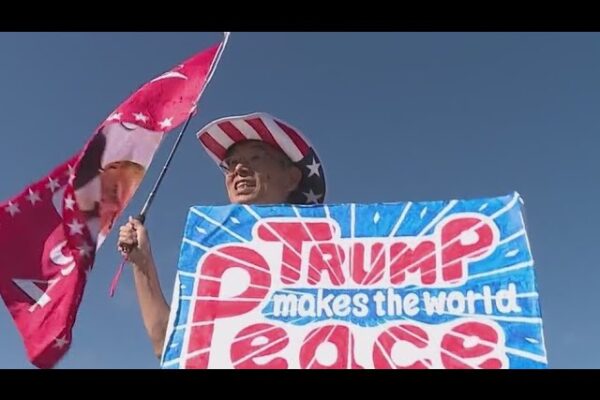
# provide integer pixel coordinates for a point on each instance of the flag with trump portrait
(49, 233)
(431, 285)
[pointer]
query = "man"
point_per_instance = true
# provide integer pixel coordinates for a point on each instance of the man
(265, 161)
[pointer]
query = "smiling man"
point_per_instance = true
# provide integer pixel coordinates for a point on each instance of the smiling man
(265, 161)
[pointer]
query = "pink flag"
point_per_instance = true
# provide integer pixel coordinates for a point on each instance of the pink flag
(50, 232)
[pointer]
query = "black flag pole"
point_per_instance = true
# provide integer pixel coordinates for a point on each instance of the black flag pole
(142, 215)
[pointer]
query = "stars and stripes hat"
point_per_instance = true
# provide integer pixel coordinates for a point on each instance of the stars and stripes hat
(219, 135)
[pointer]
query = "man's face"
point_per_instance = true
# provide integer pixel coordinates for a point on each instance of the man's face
(119, 180)
(257, 173)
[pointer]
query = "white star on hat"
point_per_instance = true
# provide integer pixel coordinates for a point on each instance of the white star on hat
(313, 168)
(312, 197)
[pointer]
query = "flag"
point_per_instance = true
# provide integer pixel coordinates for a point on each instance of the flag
(49, 233)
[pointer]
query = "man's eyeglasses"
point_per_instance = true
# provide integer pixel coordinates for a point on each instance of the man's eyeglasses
(254, 162)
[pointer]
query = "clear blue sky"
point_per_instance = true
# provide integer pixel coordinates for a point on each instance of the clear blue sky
(394, 116)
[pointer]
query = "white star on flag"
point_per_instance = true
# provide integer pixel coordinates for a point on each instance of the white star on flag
(312, 197)
(166, 123)
(75, 227)
(69, 202)
(115, 116)
(140, 117)
(33, 197)
(12, 208)
(313, 168)
(60, 342)
(71, 173)
(85, 249)
(52, 184)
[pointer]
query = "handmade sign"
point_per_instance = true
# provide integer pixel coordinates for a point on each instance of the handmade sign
(442, 284)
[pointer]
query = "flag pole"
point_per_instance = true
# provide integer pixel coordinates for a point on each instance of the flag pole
(142, 215)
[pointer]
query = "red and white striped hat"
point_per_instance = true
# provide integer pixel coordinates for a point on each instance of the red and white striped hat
(219, 135)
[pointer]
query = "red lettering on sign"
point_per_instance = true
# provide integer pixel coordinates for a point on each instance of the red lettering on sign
(383, 356)
(256, 341)
(471, 340)
(292, 235)
(340, 346)
(211, 306)
(461, 242)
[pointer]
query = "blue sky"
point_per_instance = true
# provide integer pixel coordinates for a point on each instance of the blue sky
(394, 117)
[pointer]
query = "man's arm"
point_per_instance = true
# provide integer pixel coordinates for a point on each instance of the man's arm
(153, 306)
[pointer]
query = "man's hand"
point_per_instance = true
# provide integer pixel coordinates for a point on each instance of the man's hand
(134, 243)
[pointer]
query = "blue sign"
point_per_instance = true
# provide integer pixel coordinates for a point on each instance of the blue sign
(440, 284)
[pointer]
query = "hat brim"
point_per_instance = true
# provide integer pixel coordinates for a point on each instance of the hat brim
(221, 134)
